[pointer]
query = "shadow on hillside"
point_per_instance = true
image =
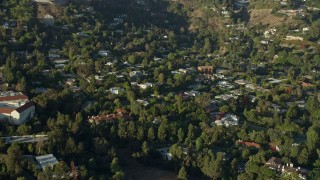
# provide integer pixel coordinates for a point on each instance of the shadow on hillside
(142, 13)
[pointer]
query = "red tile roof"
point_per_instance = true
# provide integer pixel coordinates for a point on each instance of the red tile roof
(249, 144)
(109, 117)
(25, 107)
(6, 110)
(13, 98)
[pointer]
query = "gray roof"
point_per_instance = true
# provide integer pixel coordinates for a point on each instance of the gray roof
(46, 160)
(25, 139)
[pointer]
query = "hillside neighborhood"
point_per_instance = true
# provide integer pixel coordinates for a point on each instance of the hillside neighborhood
(95, 89)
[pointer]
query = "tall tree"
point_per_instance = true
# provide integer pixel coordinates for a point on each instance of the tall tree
(13, 159)
(151, 135)
(162, 134)
(182, 173)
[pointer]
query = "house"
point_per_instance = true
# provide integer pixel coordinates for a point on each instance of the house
(226, 97)
(225, 13)
(48, 20)
(5, 25)
(184, 71)
(58, 66)
(165, 153)
(42, 1)
(274, 147)
(241, 82)
(40, 90)
(156, 121)
(192, 93)
(116, 90)
(302, 172)
(45, 161)
(305, 84)
(145, 85)
(206, 69)
(248, 144)
(25, 139)
(75, 89)
(135, 74)
(61, 61)
(225, 84)
(70, 81)
(104, 53)
(228, 120)
(16, 107)
(143, 102)
(157, 59)
(110, 118)
(216, 115)
(184, 96)
(109, 64)
(274, 163)
(293, 38)
(98, 79)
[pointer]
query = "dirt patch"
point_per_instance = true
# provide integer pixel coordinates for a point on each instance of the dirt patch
(213, 21)
(44, 9)
(265, 17)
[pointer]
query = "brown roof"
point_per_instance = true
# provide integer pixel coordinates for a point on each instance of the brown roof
(6, 110)
(109, 117)
(249, 144)
(121, 111)
(25, 107)
(205, 67)
(274, 160)
(301, 171)
(13, 98)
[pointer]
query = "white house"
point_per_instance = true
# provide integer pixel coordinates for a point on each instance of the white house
(104, 53)
(135, 74)
(116, 90)
(192, 93)
(228, 120)
(16, 107)
(145, 85)
(143, 102)
(22, 114)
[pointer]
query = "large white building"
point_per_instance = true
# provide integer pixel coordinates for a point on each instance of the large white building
(15, 107)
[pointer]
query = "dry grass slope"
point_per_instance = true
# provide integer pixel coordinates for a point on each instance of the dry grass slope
(265, 17)
(44, 9)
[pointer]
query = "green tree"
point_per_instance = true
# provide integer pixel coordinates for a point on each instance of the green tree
(122, 130)
(13, 159)
(24, 130)
(131, 130)
(162, 134)
(303, 157)
(312, 139)
(180, 135)
(199, 143)
(151, 135)
(115, 169)
(145, 148)
(140, 133)
(182, 173)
